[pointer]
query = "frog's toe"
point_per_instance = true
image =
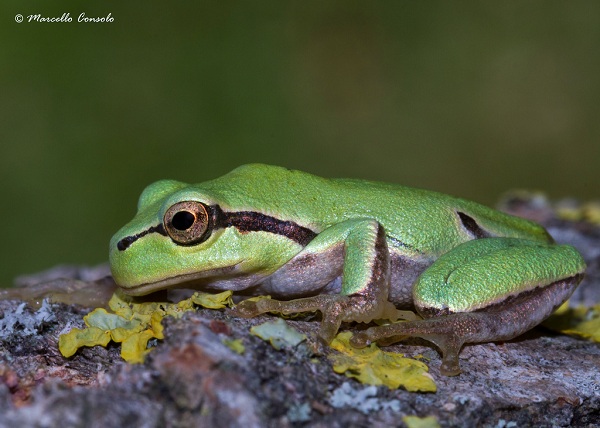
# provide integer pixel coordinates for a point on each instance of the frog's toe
(246, 309)
(450, 367)
(360, 340)
(365, 338)
(330, 325)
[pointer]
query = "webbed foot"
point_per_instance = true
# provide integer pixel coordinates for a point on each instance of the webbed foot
(431, 330)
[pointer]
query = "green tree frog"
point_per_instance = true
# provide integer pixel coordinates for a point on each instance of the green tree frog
(353, 250)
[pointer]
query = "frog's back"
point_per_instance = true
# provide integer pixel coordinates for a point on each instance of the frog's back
(428, 221)
(435, 222)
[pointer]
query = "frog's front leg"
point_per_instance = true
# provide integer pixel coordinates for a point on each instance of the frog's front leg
(486, 290)
(356, 249)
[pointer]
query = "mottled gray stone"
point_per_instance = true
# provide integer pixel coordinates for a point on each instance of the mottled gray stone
(192, 379)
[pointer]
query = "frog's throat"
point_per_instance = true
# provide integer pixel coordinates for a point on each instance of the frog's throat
(179, 281)
(244, 221)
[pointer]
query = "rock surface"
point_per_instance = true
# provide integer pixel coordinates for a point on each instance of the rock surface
(193, 379)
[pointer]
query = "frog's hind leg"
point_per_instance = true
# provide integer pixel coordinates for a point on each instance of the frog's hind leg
(502, 321)
(485, 290)
(364, 263)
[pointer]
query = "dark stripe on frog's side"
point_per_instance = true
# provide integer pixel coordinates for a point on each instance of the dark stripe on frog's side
(244, 221)
(250, 221)
(399, 243)
(472, 227)
(126, 242)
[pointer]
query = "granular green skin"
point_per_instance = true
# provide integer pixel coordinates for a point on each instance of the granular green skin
(417, 222)
(355, 247)
(480, 273)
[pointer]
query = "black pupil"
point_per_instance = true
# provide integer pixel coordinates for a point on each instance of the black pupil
(183, 220)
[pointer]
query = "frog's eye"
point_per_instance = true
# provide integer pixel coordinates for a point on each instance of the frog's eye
(187, 222)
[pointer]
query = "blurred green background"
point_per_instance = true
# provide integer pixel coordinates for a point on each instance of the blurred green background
(468, 98)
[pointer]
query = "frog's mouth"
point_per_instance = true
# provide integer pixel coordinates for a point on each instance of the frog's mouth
(220, 279)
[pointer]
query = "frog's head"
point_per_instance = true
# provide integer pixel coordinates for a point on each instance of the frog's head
(169, 241)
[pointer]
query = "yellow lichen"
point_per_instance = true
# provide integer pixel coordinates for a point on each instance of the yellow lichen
(417, 422)
(373, 366)
(581, 321)
(133, 324)
(588, 212)
(235, 345)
